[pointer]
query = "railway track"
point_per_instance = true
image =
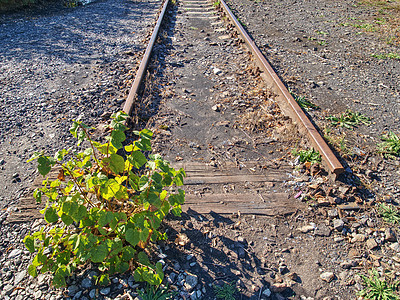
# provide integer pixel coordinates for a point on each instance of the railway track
(228, 120)
(211, 128)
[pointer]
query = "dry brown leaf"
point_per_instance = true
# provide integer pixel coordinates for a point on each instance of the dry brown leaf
(61, 175)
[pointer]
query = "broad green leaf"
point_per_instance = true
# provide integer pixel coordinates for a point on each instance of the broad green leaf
(143, 258)
(32, 271)
(99, 253)
(132, 236)
(63, 257)
(63, 270)
(129, 148)
(55, 183)
(176, 211)
(159, 270)
(104, 279)
(143, 182)
(80, 214)
(29, 242)
(69, 207)
(137, 159)
(146, 133)
(37, 194)
(81, 137)
(67, 220)
(44, 165)
(128, 253)
(106, 148)
(144, 234)
(105, 218)
(110, 189)
(117, 137)
(122, 267)
(51, 215)
(178, 180)
(115, 162)
(143, 144)
(156, 177)
(152, 198)
(74, 128)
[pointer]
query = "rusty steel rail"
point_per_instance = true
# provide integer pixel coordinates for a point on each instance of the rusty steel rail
(128, 106)
(290, 105)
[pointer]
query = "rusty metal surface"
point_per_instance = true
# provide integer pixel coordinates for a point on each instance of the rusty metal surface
(128, 106)
(293, 109)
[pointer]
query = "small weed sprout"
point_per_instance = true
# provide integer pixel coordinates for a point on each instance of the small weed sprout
(390, 147)
(377, 288)
(322, 32)
(390, 55)
(226, 292)
(303, 102)
(217, 3)
(310, 155)
(349, 119)
(389, 213)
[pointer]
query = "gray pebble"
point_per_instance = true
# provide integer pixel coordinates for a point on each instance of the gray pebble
(86, 283)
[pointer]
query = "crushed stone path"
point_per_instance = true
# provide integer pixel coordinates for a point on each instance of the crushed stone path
(58, 64)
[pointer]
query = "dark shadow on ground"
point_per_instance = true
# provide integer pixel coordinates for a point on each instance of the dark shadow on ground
(217, 260)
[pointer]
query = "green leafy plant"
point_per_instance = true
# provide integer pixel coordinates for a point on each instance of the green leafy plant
(105, 206)
(217, 3)
(322, 32)
(389, 213)
(349, 119)
(226, 292)
(159, 293)
(376, 288)
(310, 155)
(390, 147)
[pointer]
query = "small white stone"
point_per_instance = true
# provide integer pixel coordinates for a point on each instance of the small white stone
(327, 276)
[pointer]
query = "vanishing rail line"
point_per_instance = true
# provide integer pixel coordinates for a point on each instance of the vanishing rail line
(283, 96)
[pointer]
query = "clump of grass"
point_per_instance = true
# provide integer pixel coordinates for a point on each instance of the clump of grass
(389, 213)
(310, 155)
(390, 55)
(376, 288)
(349, 119)
(152, 293)
(226, 292)
(390, 147)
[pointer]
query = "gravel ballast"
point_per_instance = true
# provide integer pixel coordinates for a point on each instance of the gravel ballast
(58, 64)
